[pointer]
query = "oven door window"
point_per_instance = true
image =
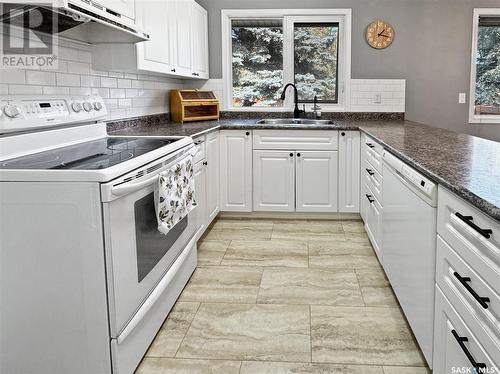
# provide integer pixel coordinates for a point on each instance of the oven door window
(150, 243)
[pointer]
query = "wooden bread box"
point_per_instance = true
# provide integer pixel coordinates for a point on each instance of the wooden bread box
(193, 105)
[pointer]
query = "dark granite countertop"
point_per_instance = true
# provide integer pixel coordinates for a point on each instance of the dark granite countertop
(466, 165)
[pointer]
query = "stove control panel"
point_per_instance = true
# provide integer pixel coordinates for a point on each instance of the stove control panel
(23, 113)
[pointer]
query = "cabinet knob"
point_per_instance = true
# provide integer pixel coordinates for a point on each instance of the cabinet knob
(205, 163)
(173, 70)
(247, 133)
(298, 154)
(343, 133)
(291, 154)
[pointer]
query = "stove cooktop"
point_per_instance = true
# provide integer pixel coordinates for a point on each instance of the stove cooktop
(93, 155)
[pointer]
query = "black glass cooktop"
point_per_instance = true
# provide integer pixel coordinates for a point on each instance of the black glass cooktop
(93, 155)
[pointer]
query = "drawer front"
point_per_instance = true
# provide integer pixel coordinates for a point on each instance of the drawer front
(458, 347)
(373, 219)
(373, 178)
(305, 140)
(374, 146)
(462, 285)
(199, 143)
(460, 225)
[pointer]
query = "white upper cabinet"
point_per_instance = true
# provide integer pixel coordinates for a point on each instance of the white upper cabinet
(183, 38)
(199, 45)
(178, 44)
(123, 7)
(349, 171)
(156, 18)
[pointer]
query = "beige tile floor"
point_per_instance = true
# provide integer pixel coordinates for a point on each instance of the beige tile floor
(282, 297)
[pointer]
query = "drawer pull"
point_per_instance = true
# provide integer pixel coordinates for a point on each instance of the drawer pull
(465, 282)
(476, 365)
(468, 220)
(370, 171)
(370, 145)
(369, 197)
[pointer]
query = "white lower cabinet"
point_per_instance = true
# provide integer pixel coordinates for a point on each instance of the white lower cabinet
(213, 163)
(273, 180)
(316, 181)
(236, 170)
(349, 178)
(200, 195)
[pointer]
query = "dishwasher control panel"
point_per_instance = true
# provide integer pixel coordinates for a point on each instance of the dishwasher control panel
(413, 177)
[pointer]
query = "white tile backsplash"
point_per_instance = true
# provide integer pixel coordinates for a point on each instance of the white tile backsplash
(126, 94)
(391, 91)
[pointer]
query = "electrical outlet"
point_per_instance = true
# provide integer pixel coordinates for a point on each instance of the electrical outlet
(378, 98)
(462, 97)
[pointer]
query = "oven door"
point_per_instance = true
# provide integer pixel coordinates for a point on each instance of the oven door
(137, 254)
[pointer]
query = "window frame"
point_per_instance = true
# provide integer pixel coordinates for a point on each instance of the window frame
(473, 117)
(290, 17)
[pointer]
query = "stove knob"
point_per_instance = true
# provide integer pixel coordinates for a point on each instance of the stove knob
(87, 106)
(77, 107)
(97, 106)
(12, 111)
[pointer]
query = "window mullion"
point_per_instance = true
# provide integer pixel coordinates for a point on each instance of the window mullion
(288, 63)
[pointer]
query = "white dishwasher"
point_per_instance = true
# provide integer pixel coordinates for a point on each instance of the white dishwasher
(409, 244)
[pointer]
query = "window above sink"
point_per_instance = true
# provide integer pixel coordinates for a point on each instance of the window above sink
(265, 49)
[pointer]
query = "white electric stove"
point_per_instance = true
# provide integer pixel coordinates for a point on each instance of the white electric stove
(86, 277)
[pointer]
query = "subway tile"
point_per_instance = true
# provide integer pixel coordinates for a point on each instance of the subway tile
(40, 77)
(124, 83)
(21, 89)
(4, 89)
(90, 81)
(115, 74)
(130, 76)
(78, 67)
(85, 56)
(12, 76)
(124, 103)
(117, 93)
(131, 92)
(81, 91)
(103, 92)
(64, 79)
(108, 82)
(55, 90)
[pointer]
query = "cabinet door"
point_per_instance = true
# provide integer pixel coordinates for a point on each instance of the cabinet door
(213, 160)
(199, 33)
(349, 171)
(274, 181)
(123, 7)
(317, 173)
(183, 39)
(200, 195)
(373, 220)
(155, 16)
(236, 170)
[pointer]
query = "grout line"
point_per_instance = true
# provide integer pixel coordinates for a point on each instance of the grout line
(359, 286)
(310, 333)
(185, 334)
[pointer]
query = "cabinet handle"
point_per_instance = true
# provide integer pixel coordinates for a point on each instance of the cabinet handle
(173, 70)
(370, 145)
(298, 154)
(369, 197)
(291, 154)
(465, 282)
(460, 340)
(342, 133)
(370, 171)
(205, 163)
(247, 133)
(468, 220)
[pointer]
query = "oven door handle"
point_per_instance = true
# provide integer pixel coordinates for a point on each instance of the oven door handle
(124, 189)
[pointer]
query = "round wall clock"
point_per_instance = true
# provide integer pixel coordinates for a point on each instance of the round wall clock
(379, 34)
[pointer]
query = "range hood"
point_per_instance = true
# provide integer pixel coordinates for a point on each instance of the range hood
(82, 20)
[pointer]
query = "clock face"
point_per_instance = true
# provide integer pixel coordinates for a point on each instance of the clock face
(379, 34)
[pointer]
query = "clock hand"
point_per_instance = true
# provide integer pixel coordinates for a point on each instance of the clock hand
(387, 36)
(380, 33)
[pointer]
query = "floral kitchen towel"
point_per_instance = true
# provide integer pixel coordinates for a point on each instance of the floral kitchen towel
(175, 194)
